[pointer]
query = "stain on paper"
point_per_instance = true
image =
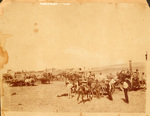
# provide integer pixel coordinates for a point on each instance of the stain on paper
(36, 30)
(3, 53)
(35, 24)
(3, 5)
(3, 57)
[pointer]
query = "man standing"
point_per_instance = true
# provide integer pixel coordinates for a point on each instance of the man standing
(69, 87)
(137, 78)
(125, 87)
(146, 56)
(109, 88)
(100, 77)
(143, 80)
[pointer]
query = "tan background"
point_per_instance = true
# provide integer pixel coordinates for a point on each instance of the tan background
(75, 35)
(35, 37)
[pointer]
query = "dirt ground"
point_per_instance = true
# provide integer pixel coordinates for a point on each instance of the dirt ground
(43, 98)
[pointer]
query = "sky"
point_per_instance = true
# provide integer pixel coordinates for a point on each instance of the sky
(75, 35)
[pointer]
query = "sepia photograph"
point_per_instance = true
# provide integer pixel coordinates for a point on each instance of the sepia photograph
(74, 57)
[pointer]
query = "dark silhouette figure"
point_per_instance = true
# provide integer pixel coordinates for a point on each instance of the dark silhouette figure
(146, 56)
(125, 87)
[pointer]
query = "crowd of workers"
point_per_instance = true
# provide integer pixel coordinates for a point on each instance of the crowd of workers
(137, 80)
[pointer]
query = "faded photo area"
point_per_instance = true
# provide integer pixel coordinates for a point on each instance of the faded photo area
(75, 57)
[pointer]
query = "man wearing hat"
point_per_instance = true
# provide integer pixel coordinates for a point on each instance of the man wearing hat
(125, 87)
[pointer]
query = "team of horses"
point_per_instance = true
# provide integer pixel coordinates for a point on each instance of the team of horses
(97, 88)
(26, 79)
(91, 88)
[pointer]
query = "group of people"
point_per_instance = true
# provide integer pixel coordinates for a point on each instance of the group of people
(139, 80)
(111, 79)
(89, 83)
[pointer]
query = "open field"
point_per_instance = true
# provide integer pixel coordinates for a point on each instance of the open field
(43, 98)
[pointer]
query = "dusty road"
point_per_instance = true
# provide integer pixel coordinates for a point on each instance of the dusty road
(43, 98)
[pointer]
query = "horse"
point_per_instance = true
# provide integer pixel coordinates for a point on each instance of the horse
(103, 87)
(29, 81)
(74, 88)
(45, 78)
(106, 87)
(96, 87)
(85, 90)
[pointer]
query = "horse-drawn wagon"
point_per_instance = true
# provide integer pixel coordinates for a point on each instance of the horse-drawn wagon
(19, 79)
(85, 89)
(131, 79)
(14, 80)
(92, 87)
(45, 78)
